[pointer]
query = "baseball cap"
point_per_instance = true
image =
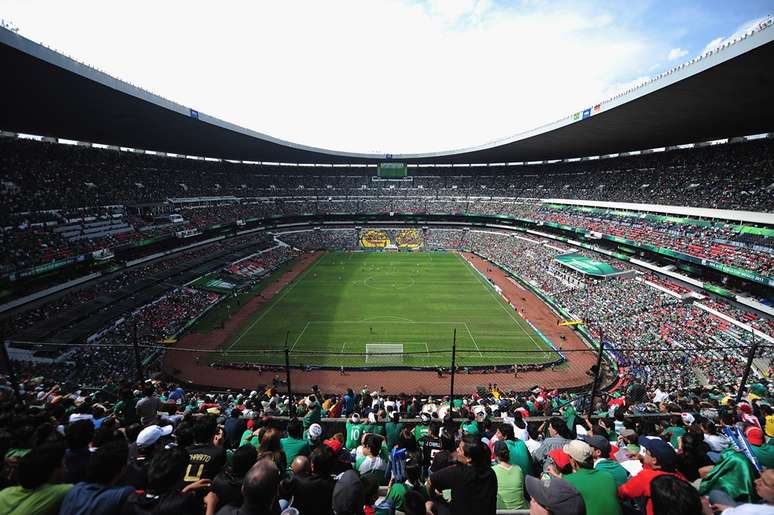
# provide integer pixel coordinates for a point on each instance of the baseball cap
(315, 430)
(334, 444)
(754, 435)
(578, 450)
(561, 458)
(598, 442)
(425, 417)
(556, 495)
(355, 418)
(688, 419)
(627, 433)
(151, 434)
(662, 451)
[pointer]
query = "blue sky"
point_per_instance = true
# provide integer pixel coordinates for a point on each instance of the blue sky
(384, 75)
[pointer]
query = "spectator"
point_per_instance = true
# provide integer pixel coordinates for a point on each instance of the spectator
(259, 489)
(100, 493)
(659, 459)
(78, 436)
(39, 491)
(554, 496)
(271, 448)
(558, 436)
(348, 495)
(600, 451)
(313, 493)
(149, 441)
(227, 485)
(673, 496)
(233, 429)
(163, 496)
(764, 487)
(207, 455)
(294, 445)
(510, 479)
(597, 488)
(149, 406)
(517, 449)
(472, 481)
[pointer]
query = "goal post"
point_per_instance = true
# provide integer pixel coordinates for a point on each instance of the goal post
(384, 353)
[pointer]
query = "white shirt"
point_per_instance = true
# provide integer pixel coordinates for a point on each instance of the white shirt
(750, 509)
(716, 443)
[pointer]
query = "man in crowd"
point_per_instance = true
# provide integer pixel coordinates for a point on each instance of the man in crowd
(658, 459)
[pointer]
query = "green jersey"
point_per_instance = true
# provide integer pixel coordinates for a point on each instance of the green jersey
(420, 430)
(354, 434)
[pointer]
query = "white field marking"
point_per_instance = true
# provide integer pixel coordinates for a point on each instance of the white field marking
(376, 319)
(474, 340)
(499, 302)
(379, 322)
(299, 336)
(279, 298)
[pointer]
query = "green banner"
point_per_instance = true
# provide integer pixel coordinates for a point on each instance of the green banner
(744, 274)
(586, 265)
(718, 290)
(763, 231)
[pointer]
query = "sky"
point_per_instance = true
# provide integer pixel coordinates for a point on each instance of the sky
(384, 76)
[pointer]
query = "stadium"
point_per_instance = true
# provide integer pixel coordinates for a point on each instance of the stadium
(623, 251)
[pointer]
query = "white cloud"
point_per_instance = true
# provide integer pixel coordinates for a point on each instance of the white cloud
(381, 76)
(619, 87)
(677, 53)
(720, 41)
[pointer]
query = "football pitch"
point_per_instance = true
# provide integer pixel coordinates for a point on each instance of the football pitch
(348, 303)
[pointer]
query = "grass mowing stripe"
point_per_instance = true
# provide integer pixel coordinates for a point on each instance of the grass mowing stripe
(278, 298)
(415, 299)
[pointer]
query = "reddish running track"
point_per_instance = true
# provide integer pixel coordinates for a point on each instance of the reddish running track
(185, 367)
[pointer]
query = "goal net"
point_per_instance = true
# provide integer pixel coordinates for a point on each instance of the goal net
(384, 353)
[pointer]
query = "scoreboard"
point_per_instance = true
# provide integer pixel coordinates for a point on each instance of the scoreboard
(392, 170)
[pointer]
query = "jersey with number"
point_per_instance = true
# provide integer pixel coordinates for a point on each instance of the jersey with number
(431, 445)
(354, 434)
(204, 462)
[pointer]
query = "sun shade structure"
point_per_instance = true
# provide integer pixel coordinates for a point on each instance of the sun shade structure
(724, 94)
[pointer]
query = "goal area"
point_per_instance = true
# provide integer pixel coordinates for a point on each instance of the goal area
(384, 353)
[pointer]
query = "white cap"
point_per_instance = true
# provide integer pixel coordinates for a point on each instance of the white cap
(355, 418)
(151, 434)
(315, 430)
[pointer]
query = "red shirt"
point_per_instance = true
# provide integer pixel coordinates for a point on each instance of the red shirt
(639, 485)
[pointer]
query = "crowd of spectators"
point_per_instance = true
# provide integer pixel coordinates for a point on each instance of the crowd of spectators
(319, 239)
(62, 177)
(110, 353)
(661, 339)
(75, 187)
(261, 263)
(155, 447)
(77, 296)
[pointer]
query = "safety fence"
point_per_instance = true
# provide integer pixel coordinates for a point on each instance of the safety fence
(451, 373)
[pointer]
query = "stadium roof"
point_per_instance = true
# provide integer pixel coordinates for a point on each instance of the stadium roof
(724, 94)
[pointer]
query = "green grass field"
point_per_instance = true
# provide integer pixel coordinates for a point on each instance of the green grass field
(345, 301)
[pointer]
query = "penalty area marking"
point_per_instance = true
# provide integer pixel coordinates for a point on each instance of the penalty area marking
(300, 335)
(474, 340)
